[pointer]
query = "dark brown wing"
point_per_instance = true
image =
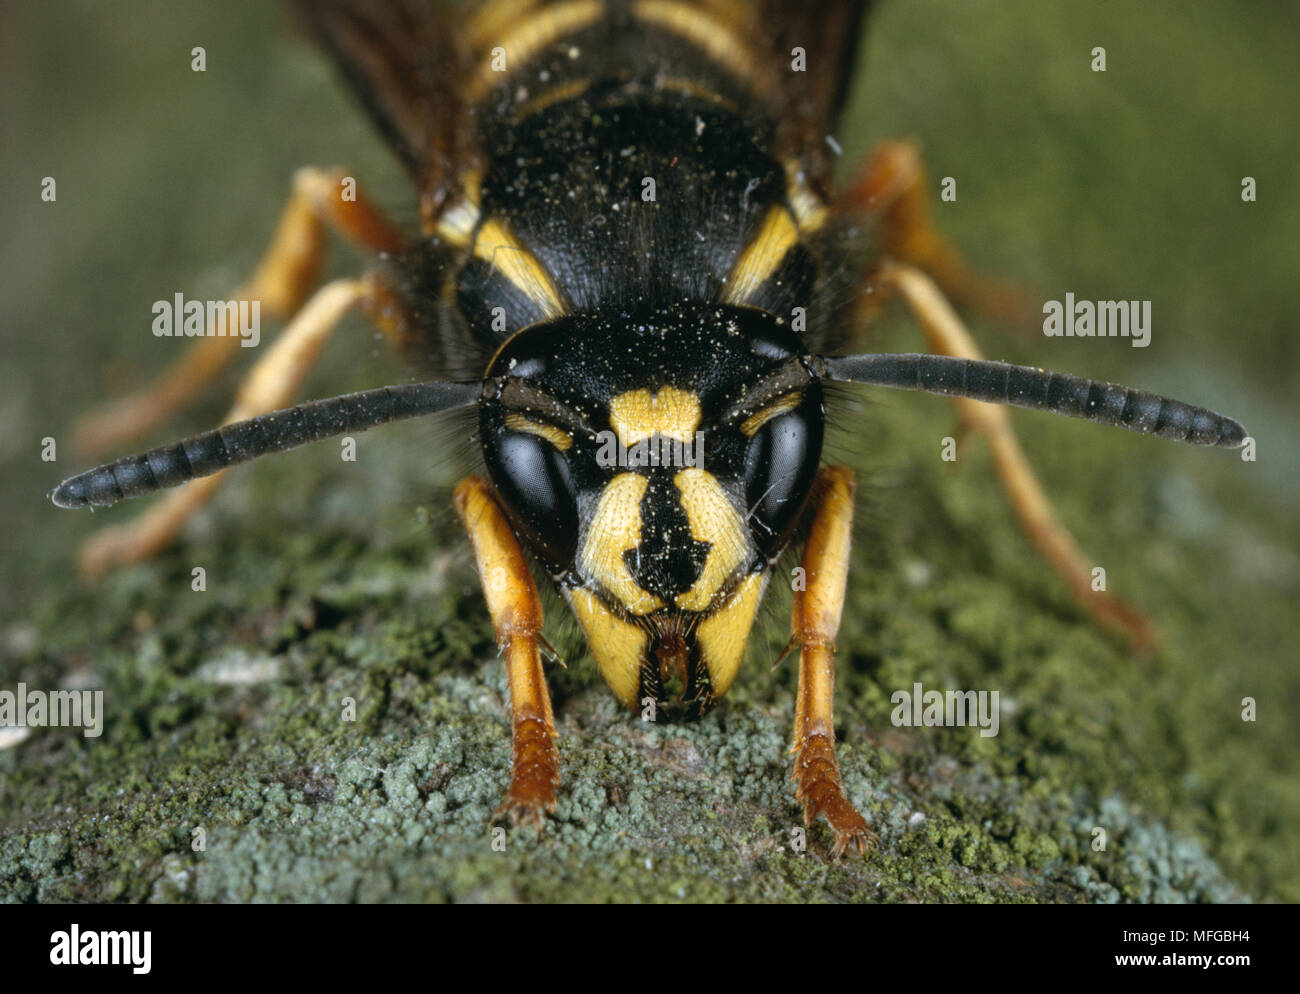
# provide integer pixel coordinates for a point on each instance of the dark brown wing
(406, 62)
(828, 31)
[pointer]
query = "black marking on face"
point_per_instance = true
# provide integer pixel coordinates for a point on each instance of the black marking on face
(672, 559)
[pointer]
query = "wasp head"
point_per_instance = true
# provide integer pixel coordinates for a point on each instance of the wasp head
(656, 463)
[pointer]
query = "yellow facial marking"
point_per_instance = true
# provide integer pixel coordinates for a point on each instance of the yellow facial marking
(723, 635)
(710, 33)
(808, 208)
(763, 415)
(522, 39)
(614, 529)
(638, 415)
(498, 245)
(761, 257)
(713, 519)
(562, 440)
(617, 645)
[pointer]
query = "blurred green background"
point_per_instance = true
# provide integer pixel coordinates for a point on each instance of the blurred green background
(1122, 184)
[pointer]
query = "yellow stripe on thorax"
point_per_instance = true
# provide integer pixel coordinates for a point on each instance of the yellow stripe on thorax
(549, 98)
(456, 224)
(498, 245)
(809, 209)
(760, 258)
(697, 89)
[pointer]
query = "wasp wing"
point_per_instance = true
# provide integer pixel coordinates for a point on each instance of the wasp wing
(814, 47)
(406, 62)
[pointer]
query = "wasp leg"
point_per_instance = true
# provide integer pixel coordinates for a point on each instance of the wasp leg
(816, 622)
(948, 336)
(894, 186)
(516, 613)
(270, 385)
(288, 271)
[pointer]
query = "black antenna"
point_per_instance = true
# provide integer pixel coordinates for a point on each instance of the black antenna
(213, 451)
(1036, 389)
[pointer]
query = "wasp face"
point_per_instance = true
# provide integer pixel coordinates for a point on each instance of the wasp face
(656, 463)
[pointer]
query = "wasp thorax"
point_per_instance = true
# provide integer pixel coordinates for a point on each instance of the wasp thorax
(656, 465)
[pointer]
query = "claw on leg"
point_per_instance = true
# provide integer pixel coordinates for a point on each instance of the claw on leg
(534, 774)
(819, 789)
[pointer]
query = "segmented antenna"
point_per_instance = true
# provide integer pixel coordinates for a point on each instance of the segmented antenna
(1039, 390)
(213, 451)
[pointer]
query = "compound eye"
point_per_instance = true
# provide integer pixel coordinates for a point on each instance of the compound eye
(533, 480)
(780, 465)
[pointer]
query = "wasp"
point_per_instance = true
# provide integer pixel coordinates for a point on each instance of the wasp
(635, 275)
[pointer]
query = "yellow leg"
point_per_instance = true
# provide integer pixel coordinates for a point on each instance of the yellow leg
(948, 336)
(894, 186)
(287, 273)
(516, 613)
(270, 386)
(816, 622)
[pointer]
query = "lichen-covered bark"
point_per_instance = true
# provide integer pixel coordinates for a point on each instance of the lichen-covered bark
(329, 580)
